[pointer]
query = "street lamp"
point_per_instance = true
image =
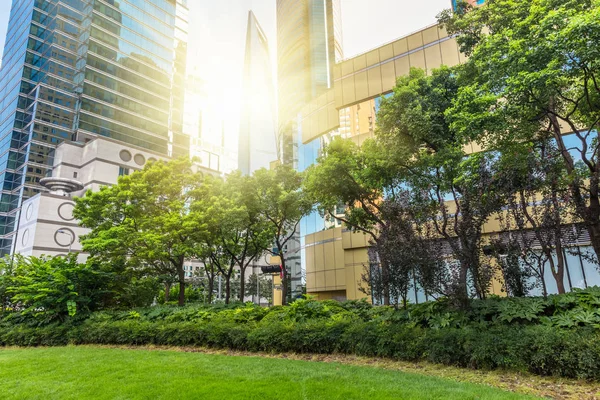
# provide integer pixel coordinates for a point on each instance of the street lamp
(71, 237)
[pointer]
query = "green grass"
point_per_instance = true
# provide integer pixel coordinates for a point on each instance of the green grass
(108, 373)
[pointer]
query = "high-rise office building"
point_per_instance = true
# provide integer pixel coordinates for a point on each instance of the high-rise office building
(73, 70)
(309, 42)
(257, 146)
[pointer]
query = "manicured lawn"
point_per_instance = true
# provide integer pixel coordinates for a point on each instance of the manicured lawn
(105, 373)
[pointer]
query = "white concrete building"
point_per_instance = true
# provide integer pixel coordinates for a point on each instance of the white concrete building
(46, 225)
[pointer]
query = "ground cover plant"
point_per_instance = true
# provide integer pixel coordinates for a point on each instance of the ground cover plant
(554, 336)
(78, 372)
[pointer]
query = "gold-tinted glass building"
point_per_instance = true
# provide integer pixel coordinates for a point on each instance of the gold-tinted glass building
(334, 257)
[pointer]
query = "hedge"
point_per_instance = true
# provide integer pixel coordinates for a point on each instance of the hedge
(539, 349)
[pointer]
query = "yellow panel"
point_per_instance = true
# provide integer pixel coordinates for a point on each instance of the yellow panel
(318, 236)
(417, 59)
(320, 280)
(433, 57)
(329, 251)
(310, 259)
(322, 118)
(442, 32)
(348, 90)
(314, 125)
(328, 234)
(388, 77)
(462, 58)
(339, 254)
(337, 232)
(340, 277)
(386, 52)
(321, 100)
(346, 240)
(430, 35)
(308, 239)
(310, 281)
(374, 75)
(361, 256)
(372, 57)
(275, 260)
(337, 71)
(339, 95)
(350, 283)
(330, 279)
(348, 257)
(362, 88)
(359, 239)
(360, 62)
(400, 46)
(333, 117)
(449, 50)
(402, 66)
(319, 258)
(347, 68)
(415, 41)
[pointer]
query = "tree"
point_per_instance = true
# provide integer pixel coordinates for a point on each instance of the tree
(279, 199)
(459, 191)
(539, 209)
(253, 232)
(349, 184)
(533, 73)
(144, 219)
(261, 286)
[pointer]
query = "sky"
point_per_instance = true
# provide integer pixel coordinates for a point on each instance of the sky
(218, 30)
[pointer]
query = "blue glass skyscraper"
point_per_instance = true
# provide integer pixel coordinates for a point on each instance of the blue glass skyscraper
(77, 69)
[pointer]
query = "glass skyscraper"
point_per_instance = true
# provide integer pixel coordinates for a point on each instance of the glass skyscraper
(309, 42)
(257, 146)
(77, 69)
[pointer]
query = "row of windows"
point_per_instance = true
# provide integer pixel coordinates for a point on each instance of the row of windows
(139, 28)
(135, 79)
(129, 51)
(131, 38)
(148, 14)
(151, 71)
(133, 106)
(107, 128)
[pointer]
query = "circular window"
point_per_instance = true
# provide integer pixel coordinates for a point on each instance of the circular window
(25, 238)
(29, 212)
(64, 237)
(139, 159)
(125, 155)
(65, 211)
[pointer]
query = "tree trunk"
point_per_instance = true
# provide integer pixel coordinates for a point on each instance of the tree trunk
(242, 282)
(227, 288)
(167, 291)
(558, 272)
(283, 280)
(181, 274)
(211, 288)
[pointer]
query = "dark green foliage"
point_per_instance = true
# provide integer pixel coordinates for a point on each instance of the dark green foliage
(527, 334)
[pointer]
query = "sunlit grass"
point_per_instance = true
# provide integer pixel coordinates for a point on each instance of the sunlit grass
(105, 373)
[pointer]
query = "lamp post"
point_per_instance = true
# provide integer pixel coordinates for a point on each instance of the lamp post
(71, 237)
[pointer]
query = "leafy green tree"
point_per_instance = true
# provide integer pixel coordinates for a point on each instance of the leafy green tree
(144, 220)
(261, 286)
(533, 74)
(277, 195)
(54, 288)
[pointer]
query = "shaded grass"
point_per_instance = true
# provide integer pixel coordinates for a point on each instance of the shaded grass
(108, 373)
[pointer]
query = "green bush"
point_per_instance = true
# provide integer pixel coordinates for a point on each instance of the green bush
(510, 334)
